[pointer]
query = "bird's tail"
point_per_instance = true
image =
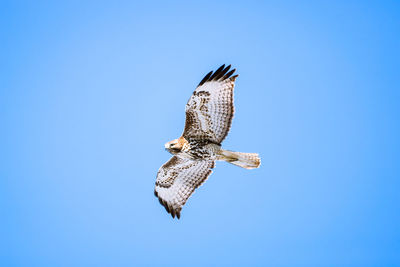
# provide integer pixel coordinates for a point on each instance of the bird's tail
(244, 160)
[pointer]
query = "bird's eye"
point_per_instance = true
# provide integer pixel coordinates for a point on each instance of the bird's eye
(171, 145)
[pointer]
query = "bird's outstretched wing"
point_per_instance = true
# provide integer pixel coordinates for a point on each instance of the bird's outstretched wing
(209, 111)
(177, 179)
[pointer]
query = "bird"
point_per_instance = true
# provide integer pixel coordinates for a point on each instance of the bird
(209, 114)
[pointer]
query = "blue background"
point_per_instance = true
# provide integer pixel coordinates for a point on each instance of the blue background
(90, 92)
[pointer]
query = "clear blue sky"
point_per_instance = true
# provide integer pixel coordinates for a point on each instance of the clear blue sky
(91, 92)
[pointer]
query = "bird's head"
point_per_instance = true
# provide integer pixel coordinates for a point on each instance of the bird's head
(173, 146)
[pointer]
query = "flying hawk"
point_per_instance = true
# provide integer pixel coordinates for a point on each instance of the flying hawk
(209, 114)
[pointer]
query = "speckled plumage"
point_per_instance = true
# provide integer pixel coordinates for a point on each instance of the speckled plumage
(177, 179)
(209, 114)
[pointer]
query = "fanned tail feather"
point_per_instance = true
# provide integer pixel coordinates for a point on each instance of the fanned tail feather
(244, 160)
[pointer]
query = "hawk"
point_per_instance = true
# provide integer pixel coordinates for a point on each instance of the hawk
(209, 114)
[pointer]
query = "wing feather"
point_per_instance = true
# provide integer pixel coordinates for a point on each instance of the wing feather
(210, 109)
(176, 181)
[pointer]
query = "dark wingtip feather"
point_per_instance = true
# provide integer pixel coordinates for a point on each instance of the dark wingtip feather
(234, 77)
(170, 209)
(220, 74)
(164, 203)
(205, 79)
(226, 76)
(217, 72)
(173, 212)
